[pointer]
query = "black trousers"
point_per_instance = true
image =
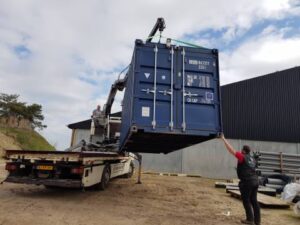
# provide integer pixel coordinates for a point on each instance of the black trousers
(248, 191)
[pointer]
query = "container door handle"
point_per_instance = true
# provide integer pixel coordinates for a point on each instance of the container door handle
(148, 91)
(154, 88)
(183, 91)
(165, 92)
(189, 94)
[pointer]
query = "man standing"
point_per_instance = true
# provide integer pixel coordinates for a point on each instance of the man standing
(97, 112)
(95, 120)
(248, 182)
(98, 117)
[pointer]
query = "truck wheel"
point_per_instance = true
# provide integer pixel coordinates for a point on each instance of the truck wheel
(104, 179)
(131, 171)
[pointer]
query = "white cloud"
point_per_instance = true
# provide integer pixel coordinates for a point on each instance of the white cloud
(260, 55)
(101, 35)
(272, 6)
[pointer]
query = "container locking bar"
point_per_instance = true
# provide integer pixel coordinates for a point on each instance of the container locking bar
(172, 81)
(183, 91)
(154, 89)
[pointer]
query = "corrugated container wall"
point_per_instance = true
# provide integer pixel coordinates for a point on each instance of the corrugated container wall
(172, 98)
(265, 108)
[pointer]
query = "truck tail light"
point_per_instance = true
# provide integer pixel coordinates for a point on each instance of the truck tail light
(11, 167)
(77, 170)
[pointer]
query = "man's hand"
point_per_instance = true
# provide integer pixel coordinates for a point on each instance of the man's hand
(230, 149)
(222, 136)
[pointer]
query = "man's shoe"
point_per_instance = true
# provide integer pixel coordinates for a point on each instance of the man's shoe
(247, 222)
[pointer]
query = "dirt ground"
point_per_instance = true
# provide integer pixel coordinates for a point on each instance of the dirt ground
(159, 200)
(7, 143)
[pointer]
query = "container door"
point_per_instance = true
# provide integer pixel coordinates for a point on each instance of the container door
(162, 80)
(155, 89)
(195, 91)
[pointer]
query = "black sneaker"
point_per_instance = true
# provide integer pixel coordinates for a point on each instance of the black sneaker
(247, 222)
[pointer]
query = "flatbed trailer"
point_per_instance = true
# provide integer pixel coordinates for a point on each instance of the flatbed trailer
(67, 169)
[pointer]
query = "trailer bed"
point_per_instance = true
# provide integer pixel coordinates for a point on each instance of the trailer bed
(61, 155)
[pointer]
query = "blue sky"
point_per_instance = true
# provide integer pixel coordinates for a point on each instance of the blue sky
(66, 54)
(215, 37)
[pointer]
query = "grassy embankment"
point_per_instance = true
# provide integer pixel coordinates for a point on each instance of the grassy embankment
(24, 139)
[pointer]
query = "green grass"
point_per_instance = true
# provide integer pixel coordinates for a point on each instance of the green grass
(28, 140)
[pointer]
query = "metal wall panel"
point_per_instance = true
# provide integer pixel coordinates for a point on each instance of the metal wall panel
(210, 159)
(264, 108)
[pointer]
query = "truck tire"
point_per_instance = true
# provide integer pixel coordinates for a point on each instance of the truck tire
(131, 171)
(104, 179)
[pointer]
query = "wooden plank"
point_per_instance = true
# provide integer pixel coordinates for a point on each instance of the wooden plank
(234, 180)
(261, 189)
(224, 184)
(171, 174)
(264, 200)
(235, 186)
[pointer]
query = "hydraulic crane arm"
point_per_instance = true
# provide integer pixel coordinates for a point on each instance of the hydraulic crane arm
(160, 25)
(118, 85)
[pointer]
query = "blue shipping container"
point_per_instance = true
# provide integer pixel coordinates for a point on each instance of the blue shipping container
(172, 98)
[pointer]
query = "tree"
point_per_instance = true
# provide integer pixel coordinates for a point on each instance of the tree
(10, 106)
(34, 114)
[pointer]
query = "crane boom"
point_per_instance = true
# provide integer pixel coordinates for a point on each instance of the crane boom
(159, 25)
(118, 85)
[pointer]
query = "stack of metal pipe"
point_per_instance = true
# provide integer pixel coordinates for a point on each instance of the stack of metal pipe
(270, 163)
(275, 183)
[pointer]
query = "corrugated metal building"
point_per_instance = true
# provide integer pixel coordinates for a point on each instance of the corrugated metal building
(265, 108)
(262, 112)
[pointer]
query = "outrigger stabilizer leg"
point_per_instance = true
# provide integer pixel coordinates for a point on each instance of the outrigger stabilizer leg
(139, 159)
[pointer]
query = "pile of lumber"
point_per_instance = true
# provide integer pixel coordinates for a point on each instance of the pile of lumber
(266, 196)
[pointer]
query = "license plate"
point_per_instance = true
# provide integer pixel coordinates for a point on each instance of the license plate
(42, 167)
